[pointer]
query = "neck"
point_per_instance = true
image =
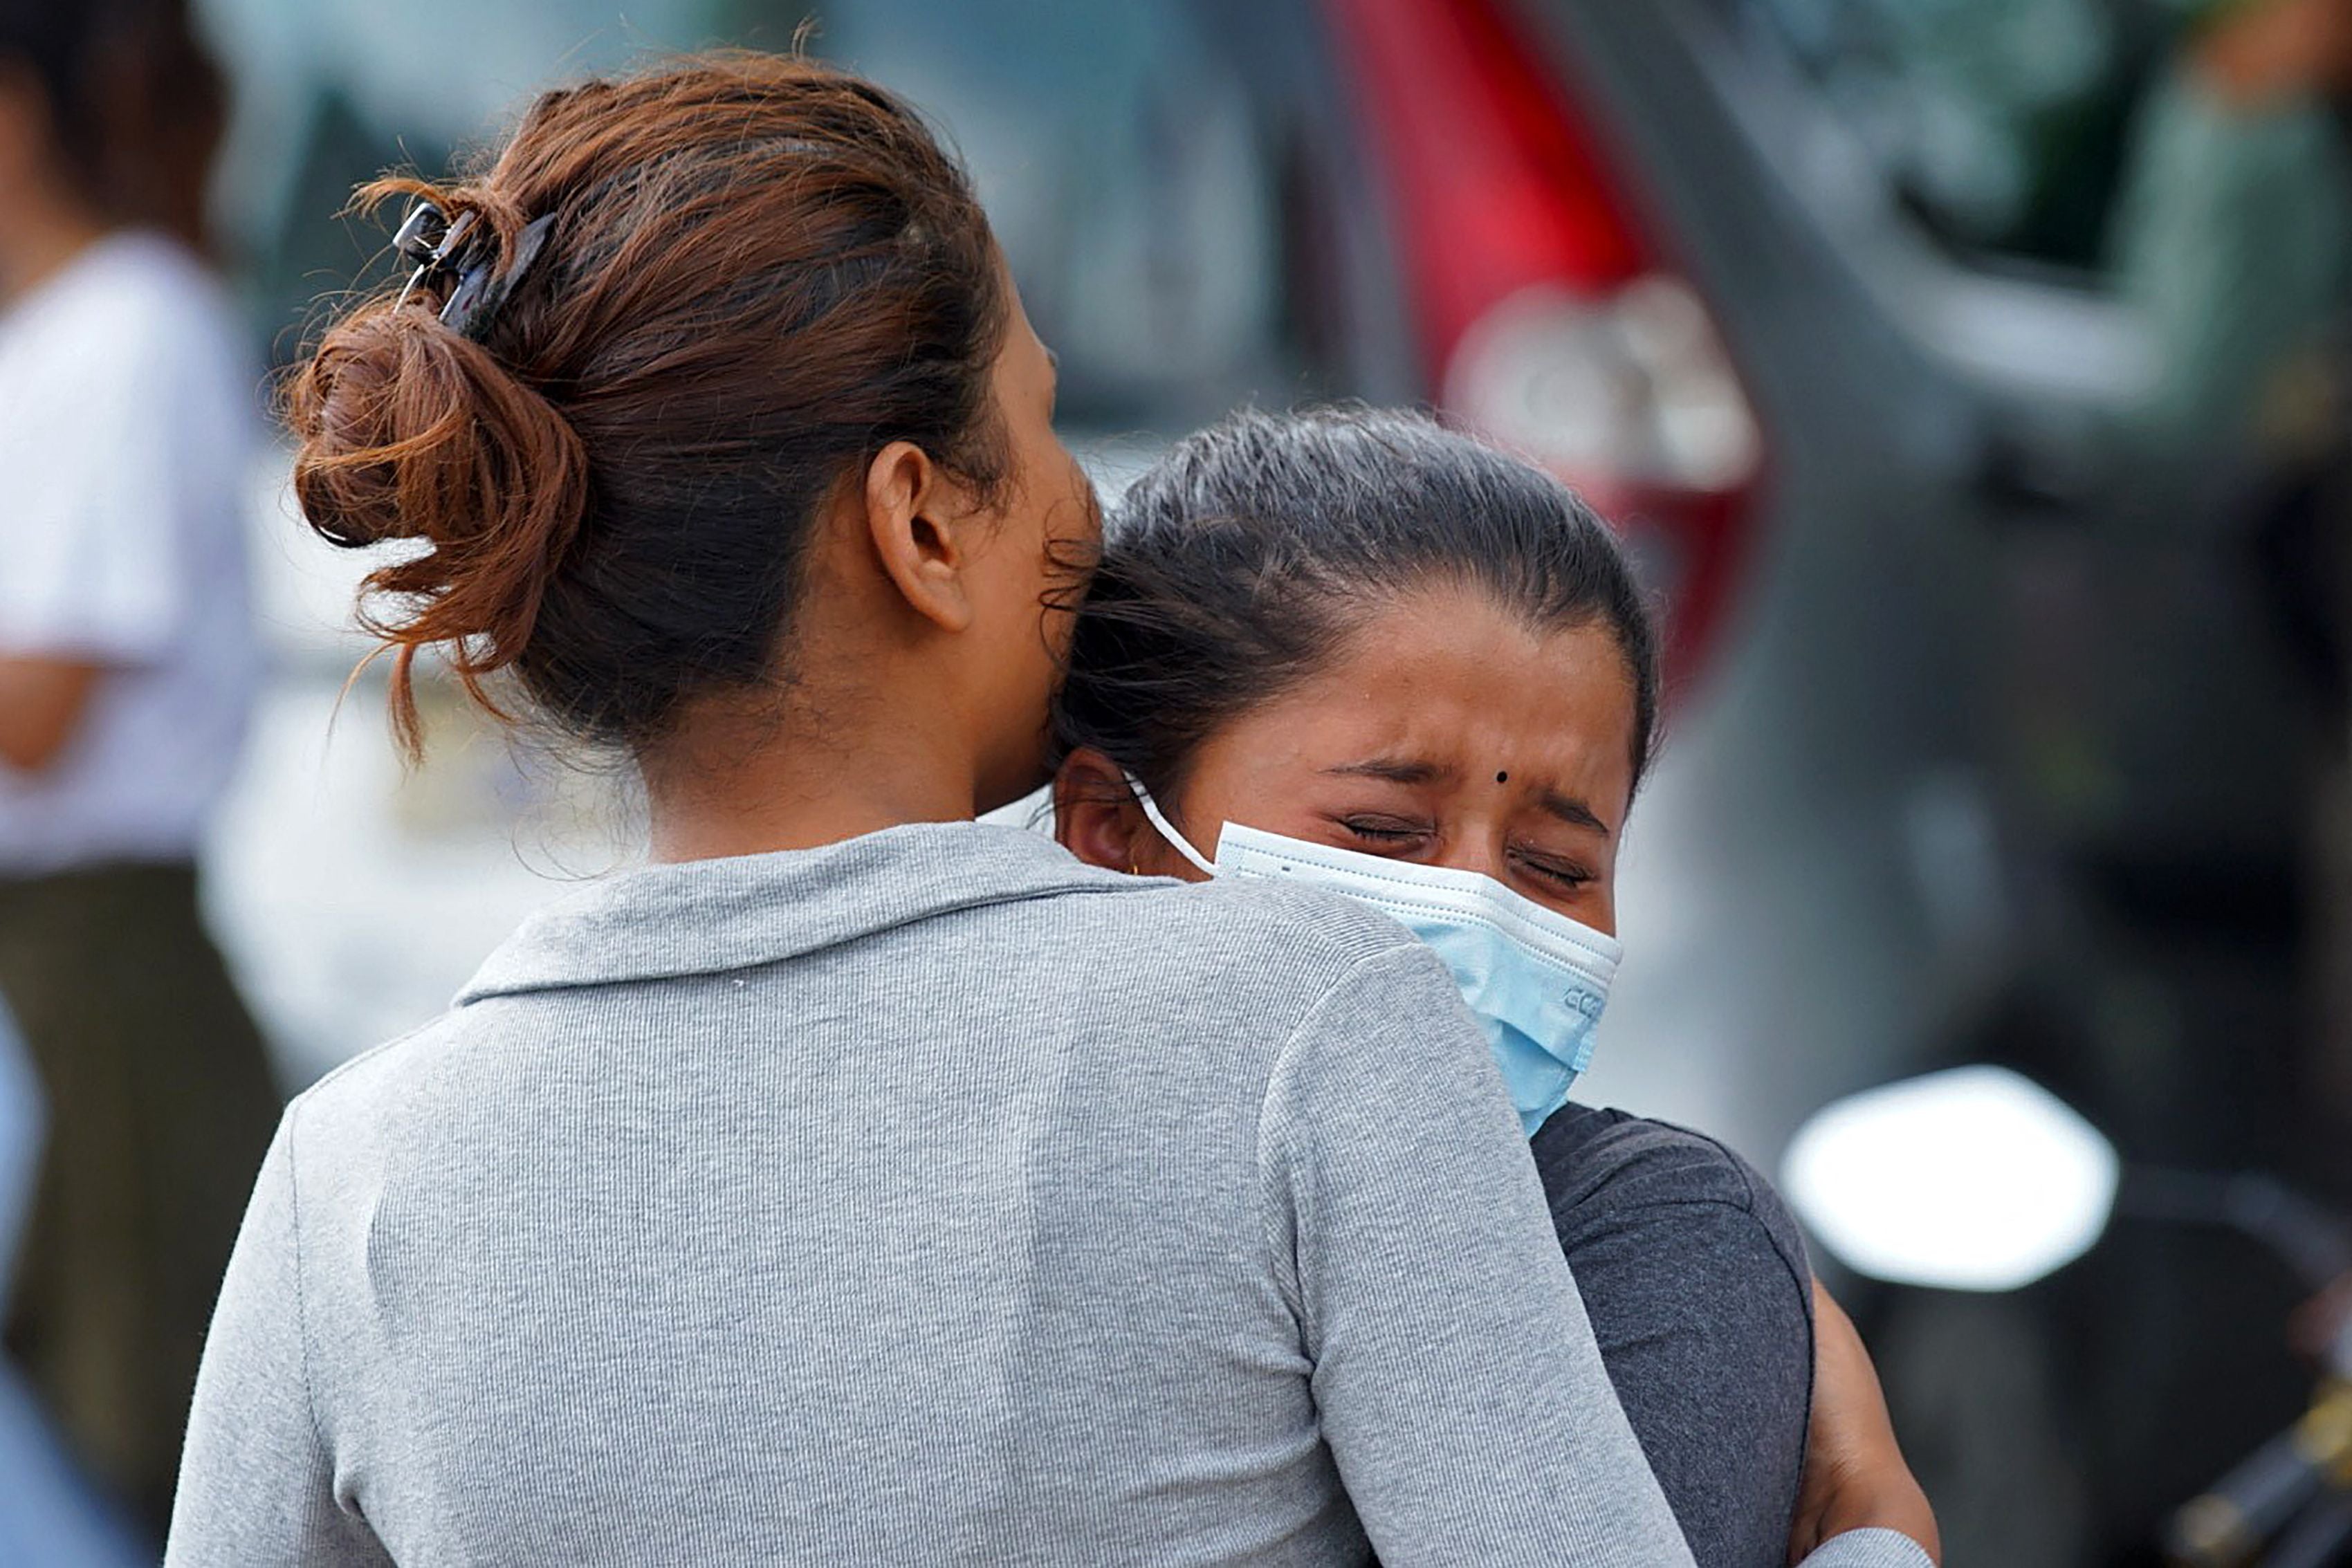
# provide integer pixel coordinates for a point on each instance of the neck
(745, 784)
(40, 239)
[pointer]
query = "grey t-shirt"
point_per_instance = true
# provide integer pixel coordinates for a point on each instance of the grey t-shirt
(926, 1197)
(1694, 1274)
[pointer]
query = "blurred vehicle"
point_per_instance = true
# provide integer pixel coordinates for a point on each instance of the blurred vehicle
(1975, 1178)
(1981, 747)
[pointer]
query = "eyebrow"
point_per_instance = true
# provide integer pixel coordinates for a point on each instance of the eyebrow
(1400, 771)
(1395, 771)
(1572, 812)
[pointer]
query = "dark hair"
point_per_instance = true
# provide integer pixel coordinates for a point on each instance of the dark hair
(761, 272)
(59, 45)
(135, 103)
(1235, 566)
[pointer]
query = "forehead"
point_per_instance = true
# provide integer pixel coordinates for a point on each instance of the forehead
(1445, 677)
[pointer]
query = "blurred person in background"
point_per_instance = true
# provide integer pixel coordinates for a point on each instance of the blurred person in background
(2233, 230)
(127, 659)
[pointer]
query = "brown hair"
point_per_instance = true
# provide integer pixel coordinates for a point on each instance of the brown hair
(760, 271)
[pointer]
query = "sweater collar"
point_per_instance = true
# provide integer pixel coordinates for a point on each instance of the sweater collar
(703, 917)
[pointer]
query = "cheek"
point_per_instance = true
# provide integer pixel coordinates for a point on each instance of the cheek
(1073, 513)
(1598, 906)
(1604, 918)
(1066, 545)
(1248, 773)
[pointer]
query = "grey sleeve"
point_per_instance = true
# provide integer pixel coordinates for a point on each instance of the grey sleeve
(256, 1483)
(1456, 1377)
(1869, 1549)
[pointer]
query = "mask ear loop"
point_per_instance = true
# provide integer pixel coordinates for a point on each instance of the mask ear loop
(1176, 841)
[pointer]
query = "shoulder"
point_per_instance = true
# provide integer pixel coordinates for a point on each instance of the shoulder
(136, 311)
(1695, 1280)
(158, 283)
(1313, 1004)
(1279, 923)
(343, 1125)
(1263, 947)
(1237, 966)
(1603, 1168)
(1304, 971)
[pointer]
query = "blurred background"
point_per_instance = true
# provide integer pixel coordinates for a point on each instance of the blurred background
(1969, 375)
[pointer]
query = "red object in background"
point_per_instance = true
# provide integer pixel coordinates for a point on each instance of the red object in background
(1545, 317)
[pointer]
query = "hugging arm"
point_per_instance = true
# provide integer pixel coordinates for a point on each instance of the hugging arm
(1459, 1385)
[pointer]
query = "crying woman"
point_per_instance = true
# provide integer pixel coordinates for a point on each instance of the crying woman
(1355, 649)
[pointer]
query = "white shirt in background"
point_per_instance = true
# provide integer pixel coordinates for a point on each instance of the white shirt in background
(128, 419)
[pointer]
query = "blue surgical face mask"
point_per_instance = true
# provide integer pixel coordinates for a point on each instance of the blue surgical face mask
(1537, 979)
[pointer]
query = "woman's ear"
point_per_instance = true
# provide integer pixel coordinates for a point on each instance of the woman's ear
(917, 518)
(1094, 814)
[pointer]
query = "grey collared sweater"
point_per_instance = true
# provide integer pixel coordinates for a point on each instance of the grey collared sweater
(925, 1198)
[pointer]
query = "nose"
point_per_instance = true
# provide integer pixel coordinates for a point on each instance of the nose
(1475, 851)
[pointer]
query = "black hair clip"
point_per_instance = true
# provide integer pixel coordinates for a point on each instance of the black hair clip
(467, 252)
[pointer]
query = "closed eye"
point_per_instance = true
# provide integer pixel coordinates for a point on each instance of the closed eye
(1385, 833)
(1560, 874)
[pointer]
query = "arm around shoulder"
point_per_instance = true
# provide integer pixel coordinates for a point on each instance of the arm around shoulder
(1456, 1378)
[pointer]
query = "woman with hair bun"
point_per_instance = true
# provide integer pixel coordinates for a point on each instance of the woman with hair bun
(857, 1183)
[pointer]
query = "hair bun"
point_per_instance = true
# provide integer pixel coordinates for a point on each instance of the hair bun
(409, 431)
(757, 272)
